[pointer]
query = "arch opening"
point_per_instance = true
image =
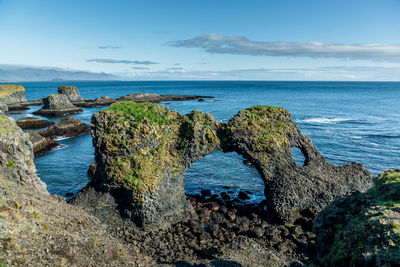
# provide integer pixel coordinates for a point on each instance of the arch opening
(298, 156)
(227, 177)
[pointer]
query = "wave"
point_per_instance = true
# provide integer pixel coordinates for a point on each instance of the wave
(326, 120)
(60, 138)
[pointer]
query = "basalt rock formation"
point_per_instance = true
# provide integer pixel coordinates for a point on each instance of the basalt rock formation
(12, 93)
(40, 143)
(71, 92)
(154, 98)
(67, 127)
(33, 123)
(57, 105)
(142, 152)
(362, 229)
(37, 229)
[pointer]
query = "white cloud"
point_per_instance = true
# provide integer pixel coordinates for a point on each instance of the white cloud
(121, 61)
(221, 44)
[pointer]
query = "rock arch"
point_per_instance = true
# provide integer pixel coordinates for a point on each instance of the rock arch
(142, 152)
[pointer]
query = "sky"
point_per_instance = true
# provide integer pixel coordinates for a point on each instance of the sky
(200, 39)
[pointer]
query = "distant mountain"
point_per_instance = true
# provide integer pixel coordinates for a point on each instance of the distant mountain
(32, 73)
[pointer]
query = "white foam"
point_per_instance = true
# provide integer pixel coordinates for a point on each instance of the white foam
(59, 138)
(326, 120)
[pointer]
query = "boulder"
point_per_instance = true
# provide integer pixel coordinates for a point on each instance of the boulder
(67, 127)
(3, 108)
(57, 105)
(33, 123)
(142, 152)
(12, 93)
(40, 143)
(362, 229)
(71, 92)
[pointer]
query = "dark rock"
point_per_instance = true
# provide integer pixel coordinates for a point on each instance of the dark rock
(200, 100)
(257, 232)
(246, 162)
(213, 206)
(225, 196)
(71, 92)
(33, 123)
(98, 102)
(243, 196)
(206, 193)
(223, 209)
(69, 194)
(57, 105)
(67, 127)
(92, 169)
(40, 143)
(231, 215)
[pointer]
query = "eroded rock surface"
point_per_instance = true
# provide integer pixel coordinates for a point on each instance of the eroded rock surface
(142, 152)
(67, 127)
(71, 92)
(12, 93)
(57, 105)
(33, 123)
(40, 143)
(37, 229)
(362, 229)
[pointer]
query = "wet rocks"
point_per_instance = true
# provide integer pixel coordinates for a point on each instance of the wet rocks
(33, 123)
(40, 143)
(71, 92)
(67, 127)
(57, 105)
(12, 93)
(98, 102)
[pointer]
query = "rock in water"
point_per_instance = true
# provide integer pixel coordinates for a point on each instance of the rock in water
(12, 93)
(142, 152)
(57, 105)
(67, 127)
(362, 229)
(71, 92)
(141, 97)
(33, 123)
(40, 143)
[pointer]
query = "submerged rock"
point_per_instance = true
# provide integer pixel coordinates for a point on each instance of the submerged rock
(67, 127)
(57, 105)
(12, 93)
(142, 152)
(33, 123)
(71, 92)
(40, 143)
(362, 229)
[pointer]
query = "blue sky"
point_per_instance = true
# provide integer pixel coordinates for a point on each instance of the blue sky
(207, 39)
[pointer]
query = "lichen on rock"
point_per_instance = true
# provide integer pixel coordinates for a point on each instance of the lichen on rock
(12, 93)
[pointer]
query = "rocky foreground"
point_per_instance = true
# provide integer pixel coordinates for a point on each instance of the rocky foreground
(134, 211)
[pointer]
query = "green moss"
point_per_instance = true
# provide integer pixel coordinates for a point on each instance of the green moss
(6, 126)
(9, 89)
(10, 164)
(389, 176)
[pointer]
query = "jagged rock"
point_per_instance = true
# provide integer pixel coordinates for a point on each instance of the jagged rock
(71, 92)
(57, 105)
(38, 229)
(33, 123)
(12, 93)
(362, 229)
(67, 127)
(98, 102)
(16, 155)
(3, 108)
(142, 152)
(40, 143)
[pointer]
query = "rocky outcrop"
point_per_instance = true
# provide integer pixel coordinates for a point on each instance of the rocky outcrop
(71, 92)
(57, 105)
(67, 127)
(37, 229)
(16, 155)
(12, 93)
(142, 152)
(3, 108)
(98, 102)
(362, 229)
(33, 123)
(40, 143)
(154, 98)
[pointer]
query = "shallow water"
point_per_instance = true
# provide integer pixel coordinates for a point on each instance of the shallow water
(347, 121)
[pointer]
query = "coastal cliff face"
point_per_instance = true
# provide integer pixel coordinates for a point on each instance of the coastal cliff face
(142, 152)
(37, 229)
(362, 229)
(12, 93)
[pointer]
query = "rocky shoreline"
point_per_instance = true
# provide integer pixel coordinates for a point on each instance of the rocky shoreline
(134, 211)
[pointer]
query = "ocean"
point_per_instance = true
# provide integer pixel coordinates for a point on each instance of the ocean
(347, 122)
